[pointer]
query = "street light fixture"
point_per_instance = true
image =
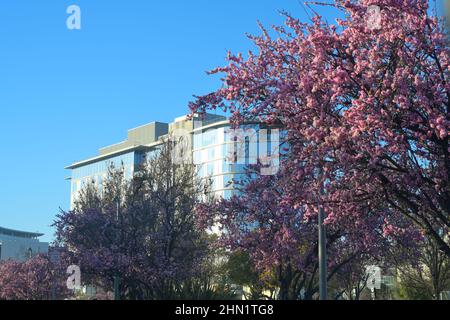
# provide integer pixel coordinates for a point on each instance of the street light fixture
(323, 291)
(116, 276)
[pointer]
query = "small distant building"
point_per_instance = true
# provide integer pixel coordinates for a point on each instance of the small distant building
(20, 245)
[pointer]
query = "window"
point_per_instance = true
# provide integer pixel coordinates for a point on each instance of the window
(445, 295)
(247, 150)
(227, 194)
(210, 168)
(228, 181)
(388, 281)
(201, 170)
(197, 140)
(125, 160)
(197, 157)
(211, 153)
(209, 137)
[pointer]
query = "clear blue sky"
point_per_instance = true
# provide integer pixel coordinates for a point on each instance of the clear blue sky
(64, 94)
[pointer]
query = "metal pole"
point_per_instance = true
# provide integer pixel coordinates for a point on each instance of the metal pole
(322, 249)
(116, 287)
(53, 290)
(116, 276)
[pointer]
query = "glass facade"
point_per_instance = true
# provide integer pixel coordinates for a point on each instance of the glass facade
(96, 172)
(220, 154)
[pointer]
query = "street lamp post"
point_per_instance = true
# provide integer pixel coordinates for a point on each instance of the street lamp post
(116, 276)
(323, 291)
(116, 287)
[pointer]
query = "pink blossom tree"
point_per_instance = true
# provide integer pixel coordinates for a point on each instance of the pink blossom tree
(140, 230)
(264, 221)
(36, 279)
(366, 107)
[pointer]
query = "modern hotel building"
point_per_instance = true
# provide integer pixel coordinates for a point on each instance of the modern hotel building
(212, 143)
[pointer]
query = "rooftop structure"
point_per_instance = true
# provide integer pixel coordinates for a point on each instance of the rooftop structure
(20, 234)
